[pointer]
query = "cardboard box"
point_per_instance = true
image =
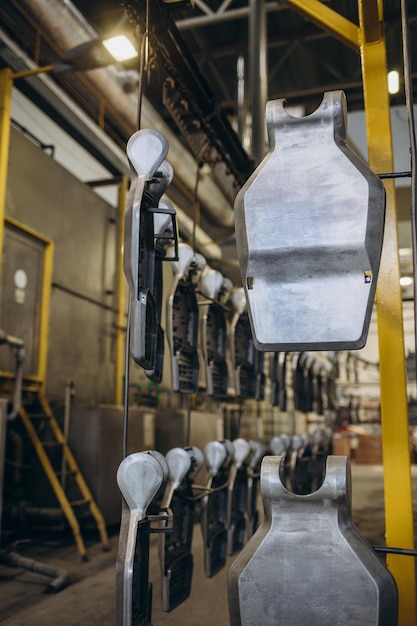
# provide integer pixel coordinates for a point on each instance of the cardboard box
(341, 444)
(369, 449)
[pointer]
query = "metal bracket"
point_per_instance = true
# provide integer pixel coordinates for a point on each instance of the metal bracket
(149, 228)
(140, 478)
(182, 323)
(175, 549)
(242, 349)
(219, 456)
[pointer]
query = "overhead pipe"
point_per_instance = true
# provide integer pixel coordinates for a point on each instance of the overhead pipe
(66, 25)
(258, 75)
(19, 347)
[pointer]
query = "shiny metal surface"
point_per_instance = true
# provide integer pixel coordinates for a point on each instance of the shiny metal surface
(301, 466)
(277, 446)
(307, 564)
(175, 548)
(237, 496)
(260, 375)
(182, 322)
(214, 505)
(146, 150)
(281, 446)
(164, 231)
(213, 334)
(310, 221)
(140, 477)
(258, 451)
(242, 351)
(179, 463)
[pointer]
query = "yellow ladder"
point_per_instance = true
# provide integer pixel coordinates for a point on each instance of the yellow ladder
(34, 412)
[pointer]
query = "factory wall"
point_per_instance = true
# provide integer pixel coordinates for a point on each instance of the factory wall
(45, 197)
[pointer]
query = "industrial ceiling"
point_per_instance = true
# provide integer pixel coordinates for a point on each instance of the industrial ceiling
(303, 61)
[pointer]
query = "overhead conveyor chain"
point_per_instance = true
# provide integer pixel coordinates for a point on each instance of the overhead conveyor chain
(61, 469)
(168, 46)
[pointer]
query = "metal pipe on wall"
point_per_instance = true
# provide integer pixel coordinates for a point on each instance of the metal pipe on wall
(59, 575)
(65, 24)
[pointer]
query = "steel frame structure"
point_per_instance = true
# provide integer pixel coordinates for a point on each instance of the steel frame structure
(369, 41)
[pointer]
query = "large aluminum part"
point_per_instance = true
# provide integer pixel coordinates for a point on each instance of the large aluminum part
(242, 351)
(179, 463)
(164, 228)
(197, 460)
(277, 446)
(146, 150)
(277, 375)
(309, 228)
(307, 563)
(258, 452)
(182, 323)
(213, 333)
(214, 505)
(140, 477)
(175, 548)
(237, 497)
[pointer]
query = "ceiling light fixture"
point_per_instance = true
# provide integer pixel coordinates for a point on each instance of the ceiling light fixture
(120, 48)
(406, 281)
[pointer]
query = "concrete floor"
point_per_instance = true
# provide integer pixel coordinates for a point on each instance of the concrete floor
(89, 598)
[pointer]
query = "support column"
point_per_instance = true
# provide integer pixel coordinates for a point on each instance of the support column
(258, 73)
(121, 295)
(6, 86)
(394, 410)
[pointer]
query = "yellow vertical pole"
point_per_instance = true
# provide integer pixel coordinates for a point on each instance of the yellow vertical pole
(121, 296)
(6, 86)
(394, 410)
(45, 310)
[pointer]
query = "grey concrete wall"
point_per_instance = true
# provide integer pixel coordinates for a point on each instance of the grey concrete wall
(42, 195)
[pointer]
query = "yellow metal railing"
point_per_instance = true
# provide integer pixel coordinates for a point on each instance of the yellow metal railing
(368, 39)
(73, 466)
(45, 296)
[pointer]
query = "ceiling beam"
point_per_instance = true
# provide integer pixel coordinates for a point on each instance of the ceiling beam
(219, 16)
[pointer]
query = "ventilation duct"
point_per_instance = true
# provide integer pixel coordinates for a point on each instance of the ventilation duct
(62, 21)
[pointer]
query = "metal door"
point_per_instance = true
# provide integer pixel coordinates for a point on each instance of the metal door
(21, 294)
